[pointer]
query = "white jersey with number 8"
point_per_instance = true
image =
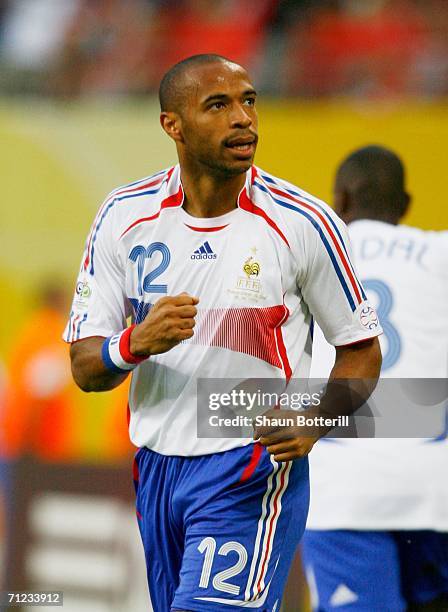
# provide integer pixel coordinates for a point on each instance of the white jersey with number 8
(391, 483)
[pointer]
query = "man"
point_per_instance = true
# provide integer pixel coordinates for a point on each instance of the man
(221, 265)
(377, 530)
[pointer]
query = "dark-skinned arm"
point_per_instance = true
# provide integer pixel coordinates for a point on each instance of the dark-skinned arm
(169, 321)
(352, 380)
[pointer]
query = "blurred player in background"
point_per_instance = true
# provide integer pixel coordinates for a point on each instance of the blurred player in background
(207, 257)
(376, 538)
(41, 414)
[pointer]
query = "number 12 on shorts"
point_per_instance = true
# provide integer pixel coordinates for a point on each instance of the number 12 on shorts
(207, 547)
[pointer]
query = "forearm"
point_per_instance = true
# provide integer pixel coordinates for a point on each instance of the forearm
(170, 321)
(352, 380)
(88, 369)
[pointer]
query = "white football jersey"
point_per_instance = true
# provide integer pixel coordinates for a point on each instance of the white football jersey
(261, 272)
(390, 483)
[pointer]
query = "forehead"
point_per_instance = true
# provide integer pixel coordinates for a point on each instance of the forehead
(216, 78)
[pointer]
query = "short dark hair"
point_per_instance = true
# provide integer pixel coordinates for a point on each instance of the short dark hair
(375, 178)
(171, 90)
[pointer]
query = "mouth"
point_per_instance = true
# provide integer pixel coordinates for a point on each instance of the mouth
(244, 147)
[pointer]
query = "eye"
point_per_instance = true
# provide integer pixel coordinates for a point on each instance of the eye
(217, 105)
(249, 101)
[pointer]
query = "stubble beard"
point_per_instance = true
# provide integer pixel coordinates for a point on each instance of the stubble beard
(223, 169)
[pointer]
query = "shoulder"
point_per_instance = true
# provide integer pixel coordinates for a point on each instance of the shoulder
(290, 197)
(298, 210)
(129, 201)
(147, 189)
(121, 207)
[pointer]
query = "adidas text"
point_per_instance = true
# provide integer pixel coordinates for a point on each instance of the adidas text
(203, 256)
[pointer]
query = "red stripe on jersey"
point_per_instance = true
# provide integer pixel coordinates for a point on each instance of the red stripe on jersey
(281, 346)
(244, 330)
(253, 174)
(173, 200)
(142, 220)
(169, 202)
(74, 321)
(169, 173)
(141, 187)
(246, 203)
(331, 233)
(206, 229)
(250, 468)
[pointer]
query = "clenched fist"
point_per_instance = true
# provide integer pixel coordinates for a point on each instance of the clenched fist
(169, 321)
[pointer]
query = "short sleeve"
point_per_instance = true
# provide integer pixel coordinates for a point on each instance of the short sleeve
(330, 287)
(100, 306)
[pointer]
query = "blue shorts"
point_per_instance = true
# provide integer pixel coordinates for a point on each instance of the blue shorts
(219, 531)
(374, 571)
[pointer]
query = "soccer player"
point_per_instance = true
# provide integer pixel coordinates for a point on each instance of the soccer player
(221, 266)
(376, 536)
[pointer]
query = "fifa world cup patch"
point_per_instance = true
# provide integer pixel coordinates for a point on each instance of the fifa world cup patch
(82, 294)
(367, 316)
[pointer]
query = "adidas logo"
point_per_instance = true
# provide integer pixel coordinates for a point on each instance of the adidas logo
(204, 252)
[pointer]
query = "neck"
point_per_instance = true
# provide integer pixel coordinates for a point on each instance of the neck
(208, 195)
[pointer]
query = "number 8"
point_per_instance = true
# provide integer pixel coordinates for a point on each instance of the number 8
(385, 305)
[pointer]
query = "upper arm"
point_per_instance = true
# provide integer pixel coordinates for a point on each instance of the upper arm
(87, 346)
(359, 360)
(100, 306)
(330, 287)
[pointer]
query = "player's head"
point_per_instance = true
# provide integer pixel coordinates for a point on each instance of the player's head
(370, 184)
(208, 108)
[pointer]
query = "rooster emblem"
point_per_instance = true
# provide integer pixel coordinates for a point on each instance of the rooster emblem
(251, 268)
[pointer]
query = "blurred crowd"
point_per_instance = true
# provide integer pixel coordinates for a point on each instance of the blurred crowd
(306, 48)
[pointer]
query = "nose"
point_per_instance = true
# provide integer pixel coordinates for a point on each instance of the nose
(239, 117)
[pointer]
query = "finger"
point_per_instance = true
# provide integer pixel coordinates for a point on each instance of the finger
(283, 447)
(191, 299)
(186, 323)
(185, 334)
(286, 457)
(186, 311)
(177, 300)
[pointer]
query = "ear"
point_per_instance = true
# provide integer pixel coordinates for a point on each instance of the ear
(342, 203)
(407, 199)
(171, 123)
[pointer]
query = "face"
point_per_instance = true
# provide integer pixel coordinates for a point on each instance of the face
(217, 127)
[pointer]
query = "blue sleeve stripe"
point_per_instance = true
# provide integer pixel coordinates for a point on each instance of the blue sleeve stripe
(324, 212)
(323, 238)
